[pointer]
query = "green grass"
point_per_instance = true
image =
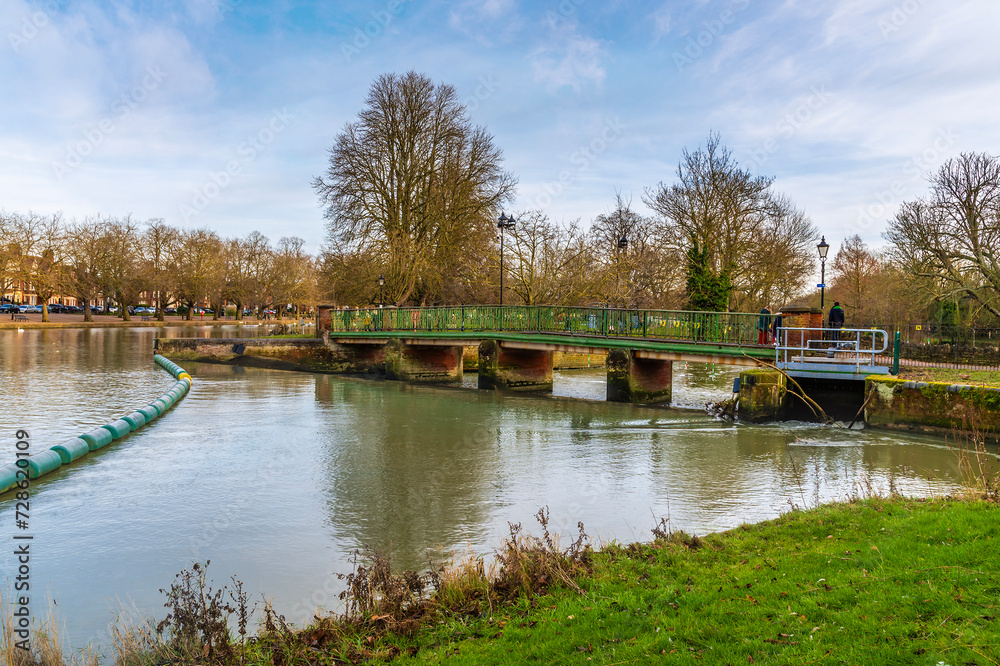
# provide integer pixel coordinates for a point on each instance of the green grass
(872, 582)
(983, 377)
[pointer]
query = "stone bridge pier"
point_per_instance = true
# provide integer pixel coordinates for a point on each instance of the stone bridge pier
(425, 362)
(637, 377)
(514, 369)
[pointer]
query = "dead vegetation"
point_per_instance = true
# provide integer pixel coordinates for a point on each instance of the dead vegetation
(381, 608)
(43, 647)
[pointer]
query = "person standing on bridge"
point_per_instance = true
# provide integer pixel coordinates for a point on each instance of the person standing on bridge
(836, 319)
(764, 325)
(776, 327)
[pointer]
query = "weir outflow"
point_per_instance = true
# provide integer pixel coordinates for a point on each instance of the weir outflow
(29, 467)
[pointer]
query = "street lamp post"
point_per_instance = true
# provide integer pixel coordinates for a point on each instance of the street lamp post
(823, 248)
(381, 284)
(503, 224)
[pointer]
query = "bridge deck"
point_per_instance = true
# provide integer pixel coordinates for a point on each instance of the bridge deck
(667, 350)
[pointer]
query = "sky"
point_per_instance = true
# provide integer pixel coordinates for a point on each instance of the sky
(220, 113)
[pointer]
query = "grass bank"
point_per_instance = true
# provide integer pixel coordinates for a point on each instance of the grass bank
(951, 376)
(873, 581)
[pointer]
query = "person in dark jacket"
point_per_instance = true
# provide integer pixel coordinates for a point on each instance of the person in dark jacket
(775, 325)
(836, 319)
(764, 325)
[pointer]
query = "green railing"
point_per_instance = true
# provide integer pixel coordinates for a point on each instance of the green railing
(732, 328)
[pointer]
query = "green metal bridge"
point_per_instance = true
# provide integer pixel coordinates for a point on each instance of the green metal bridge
(720, 337)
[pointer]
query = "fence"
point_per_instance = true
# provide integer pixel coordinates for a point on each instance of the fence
(948, 346)
(732, 328)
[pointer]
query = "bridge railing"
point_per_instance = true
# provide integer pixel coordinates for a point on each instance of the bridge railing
(732, 328)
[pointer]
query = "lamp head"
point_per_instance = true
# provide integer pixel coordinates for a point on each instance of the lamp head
(823, 248)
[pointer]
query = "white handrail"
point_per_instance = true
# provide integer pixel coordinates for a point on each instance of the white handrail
(849, 341)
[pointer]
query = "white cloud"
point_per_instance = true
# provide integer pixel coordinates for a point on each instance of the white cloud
(487, 21)
(569, 59)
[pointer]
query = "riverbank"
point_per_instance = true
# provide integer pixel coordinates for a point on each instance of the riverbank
(35, 322)
(874, 581)
(951, 376)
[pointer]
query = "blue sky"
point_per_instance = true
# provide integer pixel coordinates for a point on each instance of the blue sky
(219, 113)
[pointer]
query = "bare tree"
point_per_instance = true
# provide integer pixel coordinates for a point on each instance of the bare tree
(9, 253)
(778, 261)
(415, 183)
(639, 268)
(198, 266)
(159, 248)
(243, 256)
(550, 263)
(292, 273)
(37, 254)
(86, 250)
(855, 277)
(120, 269)
(949, 242)
(727, 212)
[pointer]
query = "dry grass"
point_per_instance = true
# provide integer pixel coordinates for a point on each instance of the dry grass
(45, 646)
(978, 464)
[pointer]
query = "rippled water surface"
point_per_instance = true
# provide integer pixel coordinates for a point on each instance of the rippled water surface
(277, 476)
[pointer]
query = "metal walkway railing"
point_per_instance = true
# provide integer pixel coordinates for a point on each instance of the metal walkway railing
(846, 353)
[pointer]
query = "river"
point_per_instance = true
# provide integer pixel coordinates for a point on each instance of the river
(277, 477)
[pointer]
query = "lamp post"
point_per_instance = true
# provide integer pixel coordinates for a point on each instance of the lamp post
(622, 246)
(503, 224)
(381, 284)
(823, 248)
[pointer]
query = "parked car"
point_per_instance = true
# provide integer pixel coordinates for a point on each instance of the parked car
(33, 309)
(97, 309)
(7, 308)
(55, 308)
(170, 311)
(72, 309)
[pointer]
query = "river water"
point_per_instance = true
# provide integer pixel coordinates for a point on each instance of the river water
(277, 477)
